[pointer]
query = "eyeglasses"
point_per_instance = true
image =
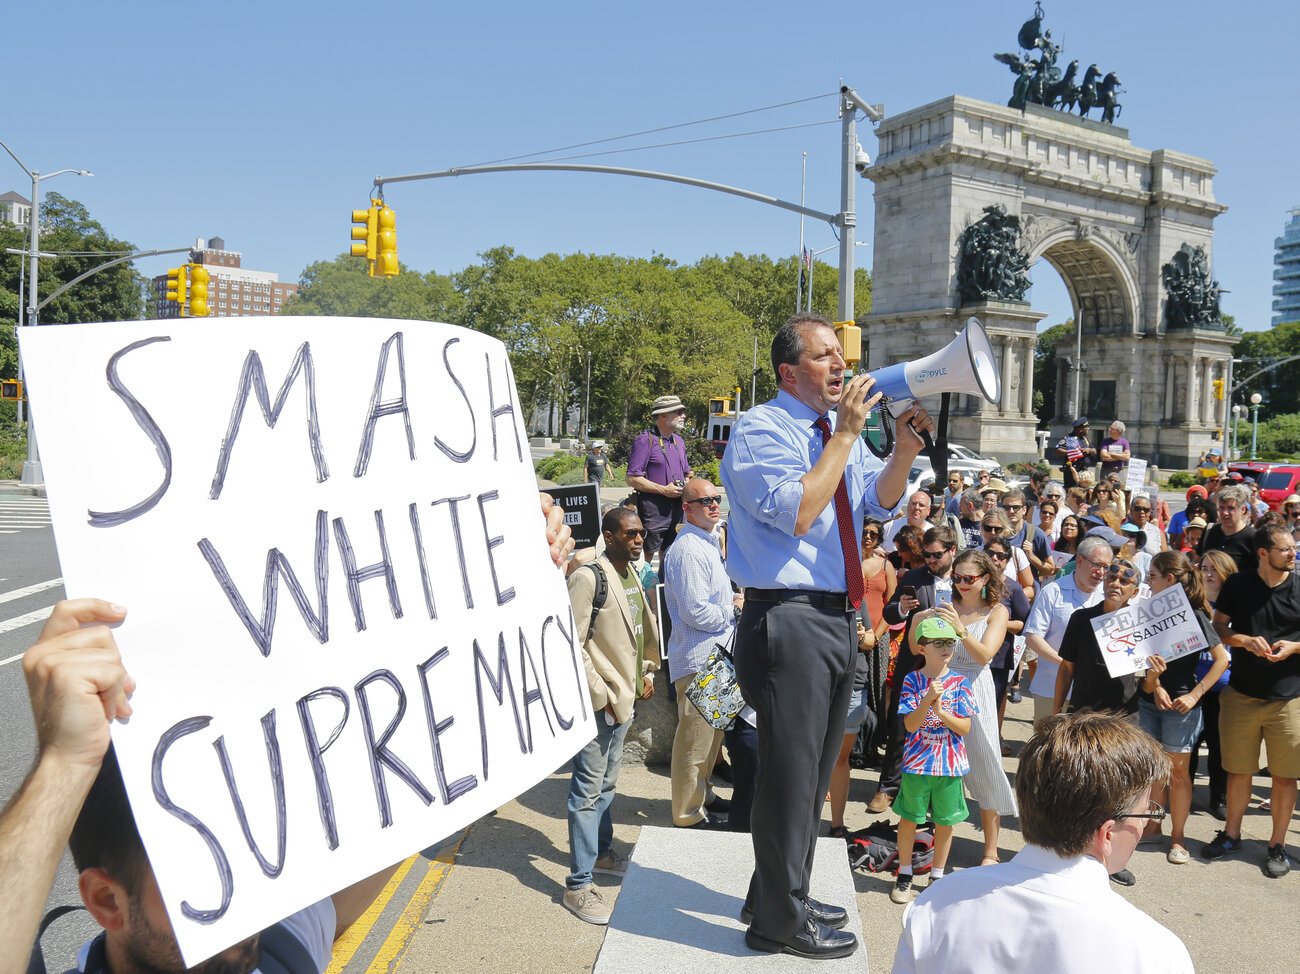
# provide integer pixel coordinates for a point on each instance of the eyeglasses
(1125, 575)
(710, 501)
(939, 643)
(1103, 565)
(1141, 510)
(1286, 551)
(1154, 811)
(872, 535)
(935, 554)
(992, 528)
(967, 579)
(1012, 507)
(999, 555)
(635, 532)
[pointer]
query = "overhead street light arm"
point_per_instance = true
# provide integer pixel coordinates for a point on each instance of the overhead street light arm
(832, 219)
(108, 264)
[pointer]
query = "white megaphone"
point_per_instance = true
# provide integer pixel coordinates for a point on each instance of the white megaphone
(965, 365)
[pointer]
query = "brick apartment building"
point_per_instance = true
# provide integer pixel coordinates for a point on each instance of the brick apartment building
(233, 290)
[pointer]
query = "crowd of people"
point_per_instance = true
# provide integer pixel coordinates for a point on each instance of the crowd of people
(848, 613)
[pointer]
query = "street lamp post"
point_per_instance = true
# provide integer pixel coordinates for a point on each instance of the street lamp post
(1255, 400)
(1237, 410)
(32, 473)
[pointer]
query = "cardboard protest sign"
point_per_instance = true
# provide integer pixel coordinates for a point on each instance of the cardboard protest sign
(1062, 558)
(581, 503)
(347, 632)
(1137, 474)
(1163, 625)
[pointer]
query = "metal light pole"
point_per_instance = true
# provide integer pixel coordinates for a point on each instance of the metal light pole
(1237, 410)
(1255, 400)
(32, 473)
(586, 405)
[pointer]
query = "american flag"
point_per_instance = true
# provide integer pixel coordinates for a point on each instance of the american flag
(807, 258)
(1073, 453)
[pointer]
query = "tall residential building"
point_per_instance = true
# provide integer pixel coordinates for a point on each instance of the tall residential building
(1286, 292)
(15, 209)
(233, 290)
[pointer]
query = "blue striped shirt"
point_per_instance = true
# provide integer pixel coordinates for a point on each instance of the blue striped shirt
(771, 447)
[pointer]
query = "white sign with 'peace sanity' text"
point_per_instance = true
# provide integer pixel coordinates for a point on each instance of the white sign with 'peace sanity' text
(1162, 625)
(347, 632)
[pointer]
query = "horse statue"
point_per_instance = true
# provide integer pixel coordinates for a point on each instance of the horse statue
(1064, 92)
(1088, 90)
(1106, 92)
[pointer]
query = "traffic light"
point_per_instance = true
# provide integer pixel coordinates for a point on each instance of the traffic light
(11, 389)
(387, 264)
(369, 233)
(177, 285)
(1218, 388)
(198, 290)
(850, 336)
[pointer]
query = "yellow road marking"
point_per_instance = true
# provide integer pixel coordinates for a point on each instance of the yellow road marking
(404, 929)
(353, 937)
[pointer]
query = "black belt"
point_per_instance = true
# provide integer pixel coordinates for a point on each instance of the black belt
(839, 601)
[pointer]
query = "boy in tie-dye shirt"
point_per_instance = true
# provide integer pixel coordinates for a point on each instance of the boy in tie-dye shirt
(936, 707)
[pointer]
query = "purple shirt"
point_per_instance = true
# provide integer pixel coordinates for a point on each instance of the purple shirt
(933, 748)
(660, 459)
(1115, 465)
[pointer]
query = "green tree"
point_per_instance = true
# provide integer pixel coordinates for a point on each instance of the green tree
(1280, 387)
(81, 244)
(342, 287)
(1045, 369)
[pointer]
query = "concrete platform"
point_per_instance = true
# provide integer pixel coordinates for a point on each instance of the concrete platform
(679, 906)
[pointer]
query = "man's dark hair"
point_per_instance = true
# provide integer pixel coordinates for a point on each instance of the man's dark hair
(614, 519)
(1268, 533)
(105, 835)
(942, 534)
(1078, 772)
(787, 343)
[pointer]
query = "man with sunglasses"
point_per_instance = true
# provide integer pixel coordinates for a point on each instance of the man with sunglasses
(1051, 908)
(657, 469)
(703, 610)
(919, 588)
(1257, 615)
(800, 481)
(620, 656)
(1051, 613)
(1031, 540)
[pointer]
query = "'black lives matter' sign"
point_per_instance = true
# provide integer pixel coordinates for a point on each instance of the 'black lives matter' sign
(581, 503)
(347, 633)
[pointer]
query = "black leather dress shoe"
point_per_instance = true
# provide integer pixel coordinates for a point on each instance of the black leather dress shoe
(832, 916)
(718, 806)
(710, 823)
(816, 941)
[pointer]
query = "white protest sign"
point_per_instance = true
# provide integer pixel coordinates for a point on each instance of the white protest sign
(1062, 558)
(347, 632)
(1163, 625)
(1137, 474)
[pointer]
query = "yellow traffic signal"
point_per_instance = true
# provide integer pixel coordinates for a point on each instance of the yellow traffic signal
(177, 285)
(387, 263)
(1218, 388)
(850, 336)
(368, 232)
(11, 389)
(198, 290)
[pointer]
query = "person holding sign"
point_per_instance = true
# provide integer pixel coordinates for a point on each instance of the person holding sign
(1257, 616)
(801, 480)
(1169, 706)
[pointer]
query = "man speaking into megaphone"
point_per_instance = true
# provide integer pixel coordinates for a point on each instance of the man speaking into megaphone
(800, 480)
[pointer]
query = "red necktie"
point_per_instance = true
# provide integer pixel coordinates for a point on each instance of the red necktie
(849, 539)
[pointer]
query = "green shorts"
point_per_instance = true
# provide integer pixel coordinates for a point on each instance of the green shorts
(919, 792)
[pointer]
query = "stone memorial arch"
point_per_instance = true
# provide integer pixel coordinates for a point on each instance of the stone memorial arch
(1125, 227)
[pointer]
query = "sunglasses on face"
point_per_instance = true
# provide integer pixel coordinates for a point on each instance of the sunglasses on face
(707, 501)
(992, 528)
(1012, 507)
(871, 535)
(1141, 510)
(935, 554)
(999, 555)
(967, 579)
(1125, 575)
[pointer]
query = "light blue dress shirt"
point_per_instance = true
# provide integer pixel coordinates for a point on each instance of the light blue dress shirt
(771, 447)
(699, 598)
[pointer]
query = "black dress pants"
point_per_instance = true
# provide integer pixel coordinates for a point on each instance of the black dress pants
(794, 664)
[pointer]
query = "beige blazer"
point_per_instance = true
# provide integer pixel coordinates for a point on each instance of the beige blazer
(610, 655)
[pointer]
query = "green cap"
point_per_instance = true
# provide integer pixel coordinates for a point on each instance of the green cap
(935, 628)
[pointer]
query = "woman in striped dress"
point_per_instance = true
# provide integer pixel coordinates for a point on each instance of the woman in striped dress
(981, 623)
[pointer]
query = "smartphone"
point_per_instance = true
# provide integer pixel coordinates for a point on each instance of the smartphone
(943, 596)
(909, 592)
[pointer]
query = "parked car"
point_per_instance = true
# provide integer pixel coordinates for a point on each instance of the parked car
(1277, 481)
(959, 455)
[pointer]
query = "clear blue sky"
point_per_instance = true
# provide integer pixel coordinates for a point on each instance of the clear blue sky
(264, 123)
